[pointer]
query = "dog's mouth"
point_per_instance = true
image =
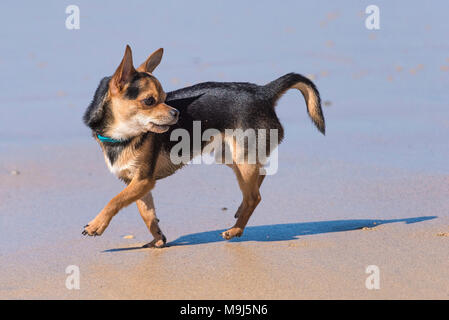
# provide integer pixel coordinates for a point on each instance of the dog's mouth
(161, 128)
(158, 128)
(160, 125)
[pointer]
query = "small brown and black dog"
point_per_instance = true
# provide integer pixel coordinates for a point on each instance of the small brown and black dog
(132, 118)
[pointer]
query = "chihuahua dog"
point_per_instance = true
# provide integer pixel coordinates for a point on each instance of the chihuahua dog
(132, 118)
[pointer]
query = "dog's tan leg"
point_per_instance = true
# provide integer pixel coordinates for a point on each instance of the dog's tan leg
(249, 181)
(148, 213)
(260, 179)
(137, 188)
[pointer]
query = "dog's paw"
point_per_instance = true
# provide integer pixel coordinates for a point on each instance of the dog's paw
(231, 233)
(95, 228)
(156, 243)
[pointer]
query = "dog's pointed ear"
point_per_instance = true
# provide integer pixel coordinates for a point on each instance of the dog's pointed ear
(152, 61)
(124, 72)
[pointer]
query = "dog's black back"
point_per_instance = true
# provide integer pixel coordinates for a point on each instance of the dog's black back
(222, 105)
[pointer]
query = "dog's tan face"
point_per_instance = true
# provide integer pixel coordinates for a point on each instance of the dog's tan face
(136, 99)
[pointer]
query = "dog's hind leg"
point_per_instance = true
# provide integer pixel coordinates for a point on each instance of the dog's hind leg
(249, 179)
(148, 214)
(260, 179)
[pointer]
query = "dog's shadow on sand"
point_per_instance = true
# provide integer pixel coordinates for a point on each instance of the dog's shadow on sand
(288, 231)
(282, 232)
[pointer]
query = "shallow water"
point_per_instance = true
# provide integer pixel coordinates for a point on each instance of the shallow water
(387, 90)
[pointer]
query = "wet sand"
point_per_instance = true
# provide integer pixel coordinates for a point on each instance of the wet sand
(311, 237)
(373, 191)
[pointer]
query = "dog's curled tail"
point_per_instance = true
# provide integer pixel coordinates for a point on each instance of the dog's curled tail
(311, 95)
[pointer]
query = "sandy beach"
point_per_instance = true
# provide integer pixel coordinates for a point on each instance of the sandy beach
(373, 191)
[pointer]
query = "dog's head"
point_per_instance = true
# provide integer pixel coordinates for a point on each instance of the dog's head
(131, 102)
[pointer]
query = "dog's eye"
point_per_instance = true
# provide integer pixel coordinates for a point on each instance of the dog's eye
(149, 101)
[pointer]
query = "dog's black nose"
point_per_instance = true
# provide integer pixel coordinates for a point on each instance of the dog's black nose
(174, 113)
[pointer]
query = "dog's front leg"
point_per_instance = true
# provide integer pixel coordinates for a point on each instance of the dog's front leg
(148, 213)
(135, 190)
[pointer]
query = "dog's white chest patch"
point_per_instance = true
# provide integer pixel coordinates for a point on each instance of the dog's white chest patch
(120, 169)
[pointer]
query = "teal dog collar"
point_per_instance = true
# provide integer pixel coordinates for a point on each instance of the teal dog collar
(106, 139)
